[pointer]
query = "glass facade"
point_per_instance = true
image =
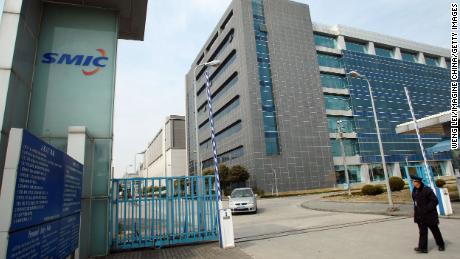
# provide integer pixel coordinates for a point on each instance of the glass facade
(337, 102)
(429, 87)
(333, 81)
(408, 56)
(230, 106)
(432, 61)
(356, 46)
(348, 124)
(384, 52)
(326, 60)
(325, 41)
(350, 145)
(265, 80)
(354, 174)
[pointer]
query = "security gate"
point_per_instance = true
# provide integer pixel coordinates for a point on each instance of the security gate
(163, 211)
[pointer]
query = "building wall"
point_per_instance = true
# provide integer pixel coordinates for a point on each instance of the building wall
(166, 155)
(304, 161)
(19, 32)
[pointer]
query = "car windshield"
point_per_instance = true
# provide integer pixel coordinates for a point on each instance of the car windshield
(242, 193)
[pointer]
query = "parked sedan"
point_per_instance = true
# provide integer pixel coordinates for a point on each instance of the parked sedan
(242, 200)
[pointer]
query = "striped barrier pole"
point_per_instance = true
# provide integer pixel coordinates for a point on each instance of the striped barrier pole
(214, 153)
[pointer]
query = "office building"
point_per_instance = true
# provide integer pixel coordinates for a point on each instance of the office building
(283, 85)
(165, 155)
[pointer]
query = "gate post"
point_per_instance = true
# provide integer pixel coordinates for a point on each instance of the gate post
(76, 147)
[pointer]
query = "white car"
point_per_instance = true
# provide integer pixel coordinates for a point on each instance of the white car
(242, 200)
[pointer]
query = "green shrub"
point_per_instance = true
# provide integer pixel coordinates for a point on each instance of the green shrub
(370, 189)
(440, 183)
(396, 183)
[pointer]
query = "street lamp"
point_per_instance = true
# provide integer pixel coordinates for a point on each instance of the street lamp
(213, 63)
(342, 150)
(355, 74)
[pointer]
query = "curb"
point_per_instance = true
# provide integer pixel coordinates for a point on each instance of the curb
(396, 213)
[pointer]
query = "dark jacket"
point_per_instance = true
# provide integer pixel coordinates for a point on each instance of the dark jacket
(425, 202)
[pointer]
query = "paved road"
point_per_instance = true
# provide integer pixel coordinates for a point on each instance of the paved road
(283, 229)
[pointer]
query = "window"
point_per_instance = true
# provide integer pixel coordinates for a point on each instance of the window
(337, 102)
(431, 61)
(325, 41)
(329, 61)
(376, 173)
(384, 52)
(265, 80)
(350, 146)
(227, 19)
(216, 95)
(410, 57)
(354, 174)
(200, 59)
(356, 46)
(219, 71)
(223, 134)
(348, 124)
(225, 157)
(212, 41)
(333, 81)
(230, 106)
(223, 45)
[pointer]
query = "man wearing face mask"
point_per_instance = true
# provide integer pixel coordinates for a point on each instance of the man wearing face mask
(426, 215)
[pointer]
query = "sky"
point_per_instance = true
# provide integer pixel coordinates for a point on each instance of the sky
(150, 81)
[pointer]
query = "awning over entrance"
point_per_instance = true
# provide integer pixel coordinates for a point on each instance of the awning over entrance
(428, 125)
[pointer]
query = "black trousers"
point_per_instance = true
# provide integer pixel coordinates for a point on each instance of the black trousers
(423, 235)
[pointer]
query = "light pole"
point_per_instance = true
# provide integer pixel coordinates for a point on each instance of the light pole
(382, 156)
(213, 63)
(342, 150)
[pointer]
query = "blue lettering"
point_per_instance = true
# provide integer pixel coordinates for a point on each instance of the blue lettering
(77, 59)
(48, 58)
(88, 61)
(96, 61)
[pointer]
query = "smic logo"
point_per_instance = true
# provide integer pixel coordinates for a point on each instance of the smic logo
(78, 60)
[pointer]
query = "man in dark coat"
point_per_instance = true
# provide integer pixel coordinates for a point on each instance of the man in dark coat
(425, 215)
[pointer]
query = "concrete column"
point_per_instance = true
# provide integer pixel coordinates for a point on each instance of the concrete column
(76, 148)
(448, 168)
(371, 48)
(341, 42)
(442, 62)
(364, 170)
(397, 54)
(396, 170)
(421, 58)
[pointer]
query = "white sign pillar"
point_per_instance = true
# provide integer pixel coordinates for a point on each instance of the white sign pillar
(76, 146)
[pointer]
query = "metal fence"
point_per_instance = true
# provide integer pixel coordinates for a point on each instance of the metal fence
(163, 211)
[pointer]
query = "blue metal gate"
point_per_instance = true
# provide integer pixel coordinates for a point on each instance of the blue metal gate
(163, 211)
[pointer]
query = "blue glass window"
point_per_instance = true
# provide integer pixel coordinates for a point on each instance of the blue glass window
(333, 81)
(354, 174)
(410, 57)
(384, 52)
(356, 46)
(337, 102)
(348, 124)
(432, 61)
(265, 80)
(326, 60)
(325, 41)
(350, 146)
